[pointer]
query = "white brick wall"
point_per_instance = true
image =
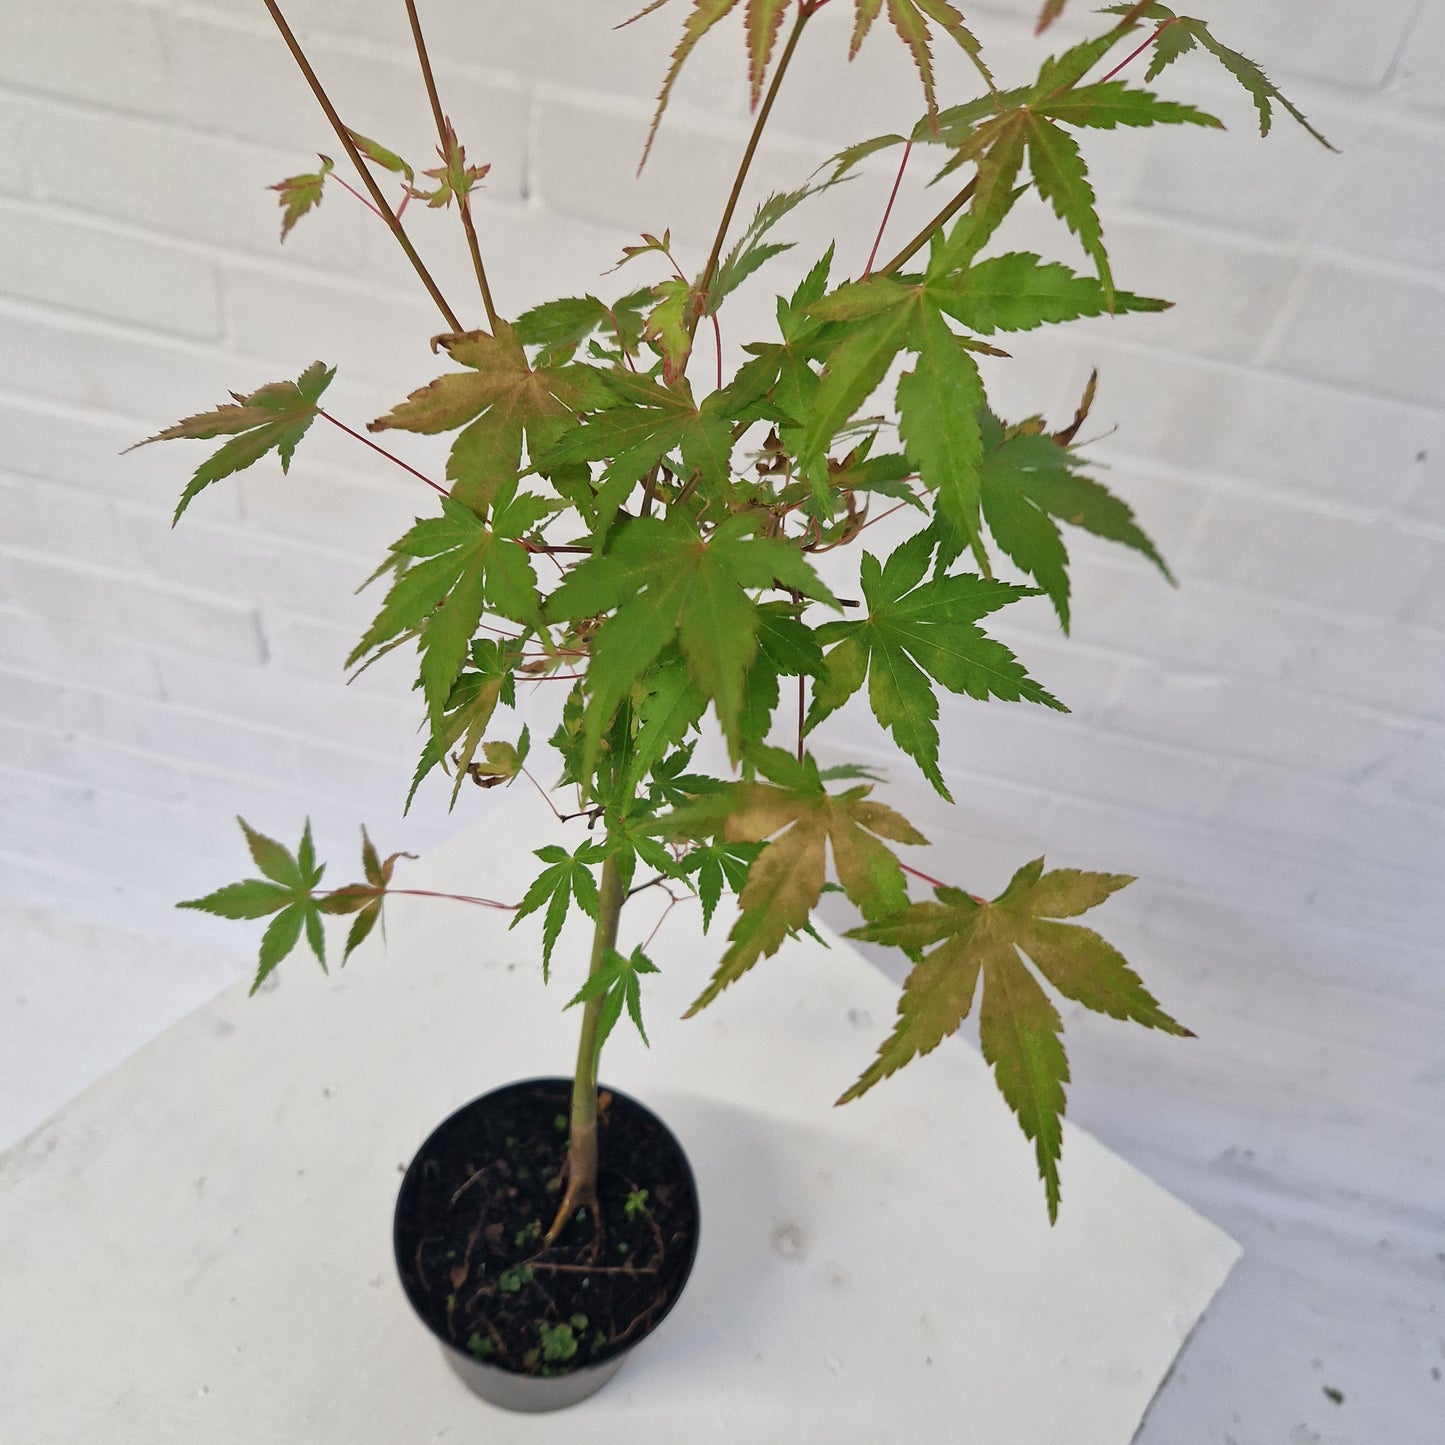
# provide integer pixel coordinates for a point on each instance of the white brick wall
(1264, 746)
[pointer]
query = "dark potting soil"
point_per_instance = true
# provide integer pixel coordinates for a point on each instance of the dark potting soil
(474, 1209)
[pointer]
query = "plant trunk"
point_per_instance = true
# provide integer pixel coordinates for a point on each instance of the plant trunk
(581, 1191)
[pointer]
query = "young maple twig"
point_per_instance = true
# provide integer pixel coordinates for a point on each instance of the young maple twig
(883, 516)
(1133, 55)
(344, 136)
(391, 457)
(463, 202)
(800, 717)
(672, 901)
(941, 219)
(548, 548)
(428, 893)
(935, 882)
(1126, 23)
(805, 12)
(546, 798)
(888, 209)
(352, 191)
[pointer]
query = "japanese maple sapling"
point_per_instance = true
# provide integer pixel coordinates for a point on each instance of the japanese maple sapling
(679, 510)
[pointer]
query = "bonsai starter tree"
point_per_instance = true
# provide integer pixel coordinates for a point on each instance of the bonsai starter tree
(678, 511)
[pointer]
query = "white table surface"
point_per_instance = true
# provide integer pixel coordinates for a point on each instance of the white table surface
(198, 1248)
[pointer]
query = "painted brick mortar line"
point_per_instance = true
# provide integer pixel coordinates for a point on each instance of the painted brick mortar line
(280, 265)
(1232, 368)
(139, 576)
(1251, 489)
(188, 711)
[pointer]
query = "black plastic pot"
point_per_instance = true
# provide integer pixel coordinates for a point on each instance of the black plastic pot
(458, 1188)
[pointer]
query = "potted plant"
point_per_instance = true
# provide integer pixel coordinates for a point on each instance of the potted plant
(679, 513)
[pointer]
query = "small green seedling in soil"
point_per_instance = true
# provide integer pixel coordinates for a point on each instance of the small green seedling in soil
(511, 1280)
(481, 1345)
(559, 1342)
(636, 1205)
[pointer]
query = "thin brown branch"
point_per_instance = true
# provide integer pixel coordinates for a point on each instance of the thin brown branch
(941, 219)
(427, 893)
(1135, 54)
(344, 136)
(352, 191)
(937, 883)
(888, 209)
(464, 205)
(367, 441)
(805, 12)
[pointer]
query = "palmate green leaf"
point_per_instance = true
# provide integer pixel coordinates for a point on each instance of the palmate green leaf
(919, 635)
(1019, 1027)
(647, 422)
(998, 133)
(1170, 42)
(618, 983)
(783, 371)
(449, 570)
(996, 149)
(663, 581)
(303, 193)
(1018, 292)
(363, 900)
(786, 879)
(750, 251)
(502, 403)
(786, 648)
(1062, 179)
(1115, 103)
(881, 314)
(910, 20)
(938, 406)
(274, 417)
(559, 327)
(469, 709)
(567, 875)
(632, 839)
(666, 704)
(1030, 483)
(719, 866)
(1179, 34)
(454, 177)
(254, 898)
(287, 891)
(670, 785)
